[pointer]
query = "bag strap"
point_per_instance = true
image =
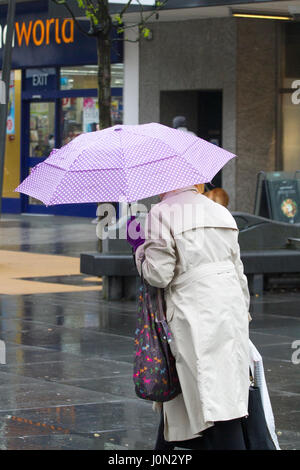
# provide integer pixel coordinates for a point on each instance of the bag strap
(160, 311)
(142, 275)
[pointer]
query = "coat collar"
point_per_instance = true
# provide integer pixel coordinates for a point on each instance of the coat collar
(176, 191)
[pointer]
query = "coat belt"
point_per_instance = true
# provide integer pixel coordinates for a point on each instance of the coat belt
(200, 271)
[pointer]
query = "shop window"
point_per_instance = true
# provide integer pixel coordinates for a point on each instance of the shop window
(81, 115)
(117, 75)
(85, 77)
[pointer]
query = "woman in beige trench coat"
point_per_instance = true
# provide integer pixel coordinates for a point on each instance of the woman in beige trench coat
(192, 252)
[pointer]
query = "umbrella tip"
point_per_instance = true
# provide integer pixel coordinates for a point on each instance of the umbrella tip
(117, 128)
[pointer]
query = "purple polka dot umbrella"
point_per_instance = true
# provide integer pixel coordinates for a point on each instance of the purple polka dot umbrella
(125, 164)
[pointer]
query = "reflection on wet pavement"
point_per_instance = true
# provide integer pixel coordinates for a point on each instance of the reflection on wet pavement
(66, 236)
(90, 426)
(67, 379)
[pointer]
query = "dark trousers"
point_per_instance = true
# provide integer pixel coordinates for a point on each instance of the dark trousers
(224, 435)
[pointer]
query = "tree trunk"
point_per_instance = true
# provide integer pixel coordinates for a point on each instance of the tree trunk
(104, 89)
(104, 80)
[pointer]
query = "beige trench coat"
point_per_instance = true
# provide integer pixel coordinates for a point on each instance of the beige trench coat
(194, 255)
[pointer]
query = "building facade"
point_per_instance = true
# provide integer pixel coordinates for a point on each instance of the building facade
(236, 79)
(53, 96)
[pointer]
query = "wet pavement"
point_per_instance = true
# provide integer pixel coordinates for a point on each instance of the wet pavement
(67, 380)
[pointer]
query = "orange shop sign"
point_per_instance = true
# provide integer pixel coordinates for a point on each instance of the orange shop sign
(41, 32)
(53, 42)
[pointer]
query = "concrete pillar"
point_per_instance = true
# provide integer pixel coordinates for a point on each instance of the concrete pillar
(131, 79)
(256, 97)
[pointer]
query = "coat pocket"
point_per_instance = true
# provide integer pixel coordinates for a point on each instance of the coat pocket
(170, 313)
(170, 306)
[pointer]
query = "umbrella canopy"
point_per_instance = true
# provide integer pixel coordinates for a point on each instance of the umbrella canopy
(123, 163)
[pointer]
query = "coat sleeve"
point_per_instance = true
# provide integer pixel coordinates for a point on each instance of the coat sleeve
(158, 251)
(240, 272)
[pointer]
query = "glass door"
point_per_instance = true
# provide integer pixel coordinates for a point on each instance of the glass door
(42, 129)
(40, 140)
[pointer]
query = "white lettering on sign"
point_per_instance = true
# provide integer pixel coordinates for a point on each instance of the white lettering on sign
(296, 94)
(2, 92)
(40, 80)
(3, 31)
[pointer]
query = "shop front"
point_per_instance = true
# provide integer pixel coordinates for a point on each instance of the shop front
(53, 99)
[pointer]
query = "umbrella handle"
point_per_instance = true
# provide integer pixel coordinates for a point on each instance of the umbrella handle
(132, 250)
